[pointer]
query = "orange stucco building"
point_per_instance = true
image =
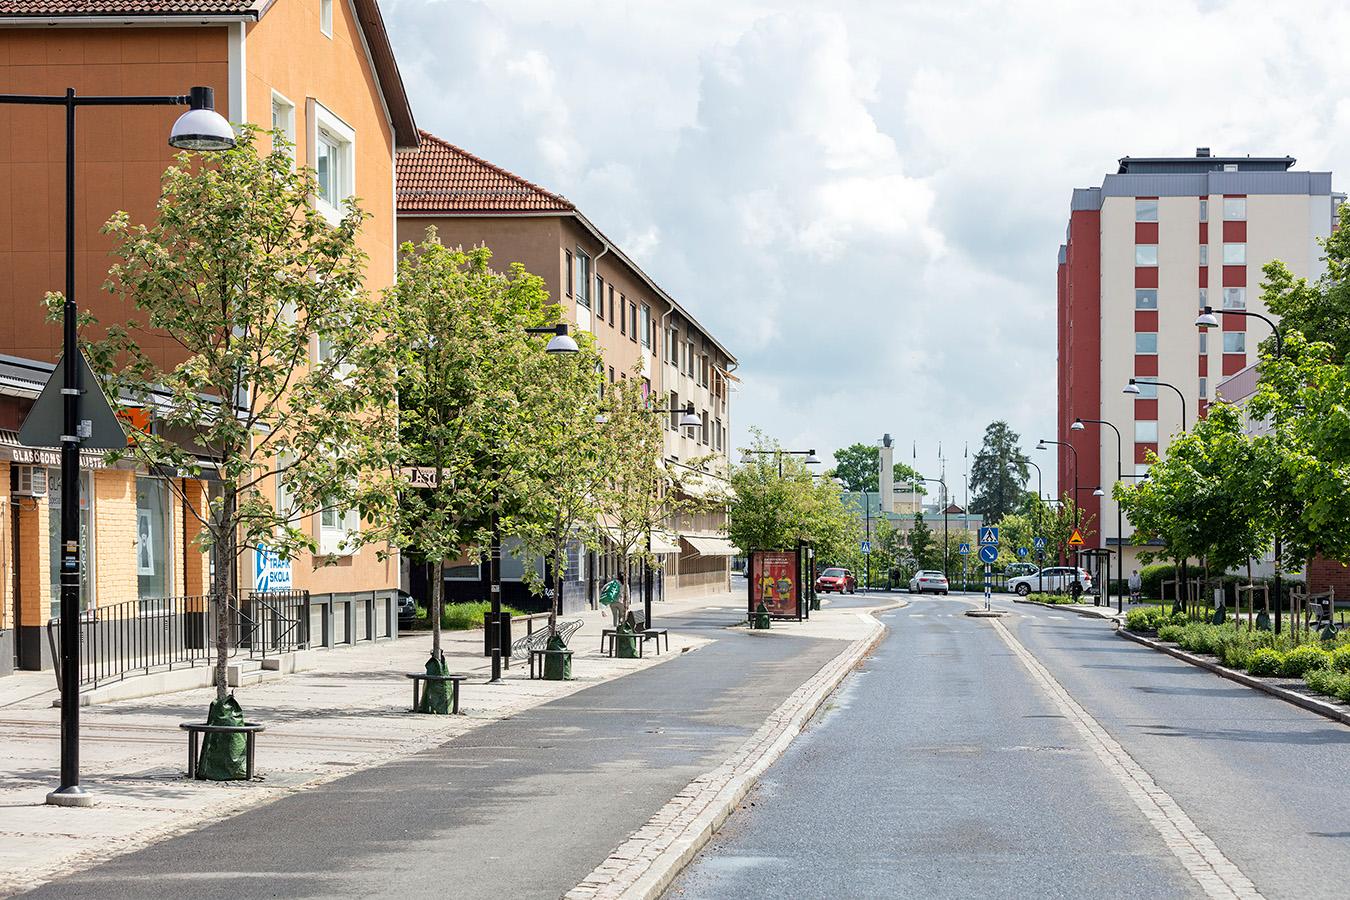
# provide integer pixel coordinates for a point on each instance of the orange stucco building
(323, 72)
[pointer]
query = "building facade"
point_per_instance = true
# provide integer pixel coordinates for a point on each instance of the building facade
(321, 71)
(1160, 239)
(641, 331)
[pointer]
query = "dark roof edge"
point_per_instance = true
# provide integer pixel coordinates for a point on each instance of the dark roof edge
(376, 38)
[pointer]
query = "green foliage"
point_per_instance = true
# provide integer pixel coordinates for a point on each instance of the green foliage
(1170, 632)
(1340, 658)
(858, 466)
(1265, 662)
(923, 547)
(463, 616)
(1053, 599)
(1151, 618)
(1320, 311)
(998, 474)
(1331, 682)
(1303, 658)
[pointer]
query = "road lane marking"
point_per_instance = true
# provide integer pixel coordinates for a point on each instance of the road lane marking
(1216, 874)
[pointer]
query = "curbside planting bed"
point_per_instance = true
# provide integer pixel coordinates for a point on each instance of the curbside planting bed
(1311, 673)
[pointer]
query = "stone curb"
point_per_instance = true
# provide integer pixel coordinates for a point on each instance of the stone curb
(642, 867)
(1067, 608)
(1333, 711)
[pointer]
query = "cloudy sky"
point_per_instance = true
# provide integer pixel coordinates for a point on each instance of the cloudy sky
(864, 200)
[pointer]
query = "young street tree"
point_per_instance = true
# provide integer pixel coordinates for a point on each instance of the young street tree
(769, 512)
(998, 474)
(246, 278)
(470, 399)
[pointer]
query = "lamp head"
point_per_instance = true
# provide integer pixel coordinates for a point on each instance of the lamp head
(1098, 492)
(561, 342)
(690, 419)
(1040, 445)
(811, 458)
(1130, 388)
(201, 127)
(1206, 319)
(1077, 425)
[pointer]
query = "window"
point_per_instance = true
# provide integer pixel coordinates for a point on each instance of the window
(646, 326)
(611, 306)
(333, 153)
(633, 322)
(1146, 342)
(1234, 298)
(1204, 254)
(1234, 254)
(1204, 297)
(1235, 342)
(583, 282)
(567, 285)
(673, 347)
(623, 314)
(326, 17)
(1204, 386)
(1230, 167)
(1234, 209)
(1204, 209)
(152, 541)
(611, 374)
(717, 434)
(1146, 298)
(1146, 210)
(674, 411)
(1146, 432)
(1204, 342)
(54, 537)
(335, 528)
(283, 119)
(703, 371)
(703, 432)
(599, 297)
(1145, 254)
(1147, 390)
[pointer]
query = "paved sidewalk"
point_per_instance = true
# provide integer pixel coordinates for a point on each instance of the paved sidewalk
(348, 713)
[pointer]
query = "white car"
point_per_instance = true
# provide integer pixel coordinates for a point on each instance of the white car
(1053, 578)
(928, 580)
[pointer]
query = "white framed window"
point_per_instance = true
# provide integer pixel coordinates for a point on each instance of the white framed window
(1204, 342)
(1146, 342)
(1204, 387)
(154, 543)
(582, 288)
(326, 17)
(1146, 210)
(283, 119)
(1148, 390)
(1204, 297)
(1235, 342)
(1204, 254)
(1145, 298)
(1234, 254)
(646, 326)
(1204, 209)
(1230, 167)
(1235, 298)
(332, 155)
(1145, 254)
(336, 530)
(1146, 432)
(1234, 209)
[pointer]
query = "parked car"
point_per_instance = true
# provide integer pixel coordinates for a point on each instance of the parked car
(928, 580)
(1018, 569)
(837, 580)
(407, 609)
(1053, 578)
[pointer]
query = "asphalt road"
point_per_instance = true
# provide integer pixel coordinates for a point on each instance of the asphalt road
(524, 807)
(942, 770)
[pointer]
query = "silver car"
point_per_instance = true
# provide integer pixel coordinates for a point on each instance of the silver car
(928, 580)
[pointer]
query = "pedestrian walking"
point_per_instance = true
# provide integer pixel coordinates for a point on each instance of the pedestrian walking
(1136, 586)
(611, 595)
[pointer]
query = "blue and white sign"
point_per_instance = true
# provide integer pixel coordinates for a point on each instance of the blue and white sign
(866, 546)
(1039, 543)
(1022, 552)
(989, 534)
(271, 572)
(964, 549)
(988, 553)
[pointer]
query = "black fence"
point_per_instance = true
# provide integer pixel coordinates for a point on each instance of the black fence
(142, 636)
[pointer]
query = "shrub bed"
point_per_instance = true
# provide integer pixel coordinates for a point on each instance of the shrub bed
(1052, 599)
(463, 616)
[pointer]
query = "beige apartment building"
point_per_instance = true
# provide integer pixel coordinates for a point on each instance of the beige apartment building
(640, 329)
(1159, 240)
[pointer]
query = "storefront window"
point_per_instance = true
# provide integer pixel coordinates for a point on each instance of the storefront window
(54, 532)
(152, 540)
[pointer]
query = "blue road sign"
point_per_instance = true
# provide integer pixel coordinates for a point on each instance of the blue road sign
(1039, 542)
(866, 546)
(1022, 552)
(988, 553)
(964, 549)
(989, 534)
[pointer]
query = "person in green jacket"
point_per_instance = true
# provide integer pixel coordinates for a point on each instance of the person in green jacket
(611, 595)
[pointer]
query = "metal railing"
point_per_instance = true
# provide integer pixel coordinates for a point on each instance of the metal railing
(142, 636)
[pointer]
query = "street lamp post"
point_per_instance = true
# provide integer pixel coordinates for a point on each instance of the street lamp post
(200, 128)
(1042, 445)
(1040, 554)
(1120, 518)
(1133, 388)
(943, 481)
(1205, 321)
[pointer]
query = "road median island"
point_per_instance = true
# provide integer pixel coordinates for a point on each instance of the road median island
(645, 864)
(1330, 708)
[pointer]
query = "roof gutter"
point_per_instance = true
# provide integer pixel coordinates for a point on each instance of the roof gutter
(116, 21)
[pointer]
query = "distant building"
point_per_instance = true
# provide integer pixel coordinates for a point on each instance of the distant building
(1159, 239)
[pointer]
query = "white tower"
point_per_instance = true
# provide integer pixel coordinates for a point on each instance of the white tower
(886, 474)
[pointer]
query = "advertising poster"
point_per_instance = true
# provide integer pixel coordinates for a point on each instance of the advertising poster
(773, 580)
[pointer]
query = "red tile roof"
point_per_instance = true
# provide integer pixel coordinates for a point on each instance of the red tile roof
(439, 177)
(128, 7)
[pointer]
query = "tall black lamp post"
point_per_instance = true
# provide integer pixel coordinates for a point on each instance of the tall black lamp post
(1133, 388)
(200, 128)
(1078, 425)
(945, 506)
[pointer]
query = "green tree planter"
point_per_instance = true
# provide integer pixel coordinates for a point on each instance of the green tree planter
(760, 620)
(557, 666)
(625, 642)
(436, 697)
(223, 756)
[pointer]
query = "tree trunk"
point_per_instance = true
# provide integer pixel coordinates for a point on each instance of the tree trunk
(437, 584)
(222, 587)
(556, 601)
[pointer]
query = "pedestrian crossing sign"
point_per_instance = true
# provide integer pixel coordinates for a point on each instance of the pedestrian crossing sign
(1039, 542)
(989, 534)
(1076, 539)
(963, 549)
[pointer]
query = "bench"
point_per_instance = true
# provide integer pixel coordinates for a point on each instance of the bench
(419, 677)
(608, 635)
(540, 654)
(249, 730)
(655, 634)
(538, 640)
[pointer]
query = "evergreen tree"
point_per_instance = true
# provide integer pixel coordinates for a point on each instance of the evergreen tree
(998, 474)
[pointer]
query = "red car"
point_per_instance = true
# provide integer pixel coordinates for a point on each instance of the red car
(840, 580)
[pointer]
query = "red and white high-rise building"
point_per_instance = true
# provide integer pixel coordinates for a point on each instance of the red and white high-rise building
(1158, 240)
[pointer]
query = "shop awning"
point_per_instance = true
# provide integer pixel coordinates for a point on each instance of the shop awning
(662, 542)
(707, 545)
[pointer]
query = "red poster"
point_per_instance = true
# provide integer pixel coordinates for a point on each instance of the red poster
(774, 580)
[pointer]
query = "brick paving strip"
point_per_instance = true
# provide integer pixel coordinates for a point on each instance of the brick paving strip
(646, 863)
(1217, 875)
(1332, 709)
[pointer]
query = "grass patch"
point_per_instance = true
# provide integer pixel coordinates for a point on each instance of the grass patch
(464, 616)
(1053, 599)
